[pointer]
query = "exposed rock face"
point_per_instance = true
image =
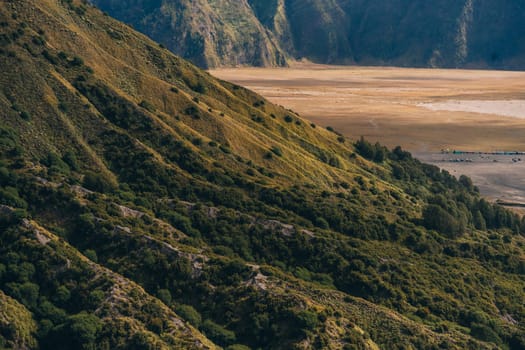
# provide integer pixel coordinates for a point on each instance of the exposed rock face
(209, 33)
(444, 33)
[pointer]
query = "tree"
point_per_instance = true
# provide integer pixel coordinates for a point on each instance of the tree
(365, 148)
(436, 218)
(479, 221)
(379, 153)
(80, 331)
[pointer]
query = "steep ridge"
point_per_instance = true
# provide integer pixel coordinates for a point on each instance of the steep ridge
(145, 204)
(209, 33)
(445, 33)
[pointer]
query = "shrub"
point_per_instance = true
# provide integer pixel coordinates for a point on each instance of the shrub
(322, 223)
(63, 107)
(147, 105)
(307, 320)
(48, 56)
(218, 334)
(77, 61)
(192, 110)
(98, 183)
(165, 296)
(199, 87)
(71, 160)
(197, 141)
(238, 347)
(81, 331)
(24, 115)
(225, 149)
(9, 196)
(188, 313)
(91, 255)
(277, 151)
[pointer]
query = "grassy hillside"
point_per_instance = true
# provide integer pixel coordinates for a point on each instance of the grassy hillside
(145, 204)
(446, 33)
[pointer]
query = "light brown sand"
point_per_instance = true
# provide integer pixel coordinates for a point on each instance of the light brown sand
(423, 110)
(505, 108)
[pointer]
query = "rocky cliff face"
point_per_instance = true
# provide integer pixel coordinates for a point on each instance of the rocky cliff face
(444, 33)
(209, 33)
(470, 33)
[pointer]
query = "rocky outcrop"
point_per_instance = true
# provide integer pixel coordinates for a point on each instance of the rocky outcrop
(444, 33)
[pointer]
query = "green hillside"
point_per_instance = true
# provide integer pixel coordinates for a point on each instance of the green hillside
(408, 33)
(146, 205)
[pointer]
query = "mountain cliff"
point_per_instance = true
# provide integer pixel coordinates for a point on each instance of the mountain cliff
(146, 205)
(444, 33)
(209, 33)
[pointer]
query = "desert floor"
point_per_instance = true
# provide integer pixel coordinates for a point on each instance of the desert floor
(423, 110)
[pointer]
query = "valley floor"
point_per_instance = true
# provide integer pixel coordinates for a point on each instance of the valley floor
(425, 111)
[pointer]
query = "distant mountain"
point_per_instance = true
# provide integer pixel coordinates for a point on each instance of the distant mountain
(208, 33)
(145, 204)
(416, 33)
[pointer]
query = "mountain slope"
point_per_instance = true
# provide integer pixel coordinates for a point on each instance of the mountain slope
(208, 33)
(446, 33)
(145, 204)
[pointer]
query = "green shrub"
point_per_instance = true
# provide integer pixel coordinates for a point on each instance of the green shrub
(147, 105)
(238, 347)
(98, 183)
(188, 313)
(9, 196)
(277, 151)
(217, 333)
(77, 61)
(26, 116)
(91, 255)
(322, 223)
(165, 296)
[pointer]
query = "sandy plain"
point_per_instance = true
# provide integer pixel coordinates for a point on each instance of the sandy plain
(423, 110)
